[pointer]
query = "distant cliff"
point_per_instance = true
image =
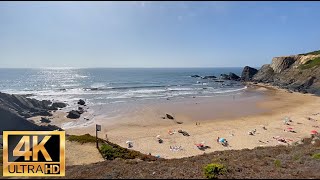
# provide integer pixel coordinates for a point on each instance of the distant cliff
(296, 72)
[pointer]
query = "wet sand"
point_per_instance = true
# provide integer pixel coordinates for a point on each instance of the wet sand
(224, 117)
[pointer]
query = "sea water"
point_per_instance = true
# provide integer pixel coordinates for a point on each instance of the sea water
(116, 85)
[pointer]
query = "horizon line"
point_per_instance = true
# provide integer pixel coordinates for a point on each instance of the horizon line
(66, 67)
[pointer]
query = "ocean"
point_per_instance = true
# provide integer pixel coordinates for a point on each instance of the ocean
(115, 85)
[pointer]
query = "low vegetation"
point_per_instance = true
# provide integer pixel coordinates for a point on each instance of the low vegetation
(86, 138)
(296, 162)
(316, 156)
(213, 170)
(310, 64)
(312, 53)
(110, 151)
(277, 163)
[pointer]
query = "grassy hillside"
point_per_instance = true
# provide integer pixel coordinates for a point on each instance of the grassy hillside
(110, 150)
(299, 161)
(310, 64)
(312, 53)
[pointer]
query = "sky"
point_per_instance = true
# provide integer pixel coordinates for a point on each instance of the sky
(155, 34)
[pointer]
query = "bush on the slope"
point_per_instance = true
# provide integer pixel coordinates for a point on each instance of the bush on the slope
(211, 171)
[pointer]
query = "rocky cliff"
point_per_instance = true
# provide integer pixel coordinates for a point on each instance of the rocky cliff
(297, 73)
(14, 109)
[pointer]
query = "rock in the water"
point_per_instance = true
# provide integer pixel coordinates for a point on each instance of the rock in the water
(45, 120)
(233, 77)
(73, 114)
(195, 76)
(230, 76)
(169, 116)
(209, 77)
(80, 110)
(81, 102)
(248, 73)
(224, 77)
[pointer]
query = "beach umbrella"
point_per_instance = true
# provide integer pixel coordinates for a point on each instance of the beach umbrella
(222, 139)
(289, 128)
(128, 142)
(158, 136)
(314, 132)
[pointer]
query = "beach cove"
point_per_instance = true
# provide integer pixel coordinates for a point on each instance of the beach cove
(266, 109)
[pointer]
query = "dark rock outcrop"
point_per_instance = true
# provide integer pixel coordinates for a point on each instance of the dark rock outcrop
(195, 76)
(28, 107)
(14, 109)
(12, 121)
(57, 105)
(247, 73)
(80, 110)
(81, 102)
(209, 77)
(169, 116)
(280, 64)
(286, 72)
(224, 76)
(265, 74)
(45, 120)
(73, 114)
(234, 77)
(230, 76)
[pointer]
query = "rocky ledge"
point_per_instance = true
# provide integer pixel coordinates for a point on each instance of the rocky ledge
(14, 109)
(299, 73)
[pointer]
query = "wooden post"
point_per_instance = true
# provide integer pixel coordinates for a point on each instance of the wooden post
(97, 138)
(98, 128)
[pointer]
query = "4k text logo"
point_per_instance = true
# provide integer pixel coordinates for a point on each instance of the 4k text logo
(33, 153)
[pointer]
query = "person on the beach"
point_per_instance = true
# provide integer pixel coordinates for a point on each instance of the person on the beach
(218, 139)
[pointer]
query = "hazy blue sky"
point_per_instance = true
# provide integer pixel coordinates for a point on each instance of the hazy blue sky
(155, 34)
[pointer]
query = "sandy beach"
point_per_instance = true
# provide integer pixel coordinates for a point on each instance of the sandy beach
(231, 119)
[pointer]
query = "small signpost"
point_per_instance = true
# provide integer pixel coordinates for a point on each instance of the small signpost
(98, 128)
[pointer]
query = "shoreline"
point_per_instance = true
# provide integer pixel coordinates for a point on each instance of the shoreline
(279, 102)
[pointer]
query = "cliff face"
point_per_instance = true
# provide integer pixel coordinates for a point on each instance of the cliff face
(14, 109)
(297, 73)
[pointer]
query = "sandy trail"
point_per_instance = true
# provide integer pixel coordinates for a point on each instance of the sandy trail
(79, 154)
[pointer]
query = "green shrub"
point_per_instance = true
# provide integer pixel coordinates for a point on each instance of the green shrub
(113, 151)
(312, 53)
(277, 163)
(316, 156)
(311, 63)
(109, 152)
(211, 171)
(86, 138)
